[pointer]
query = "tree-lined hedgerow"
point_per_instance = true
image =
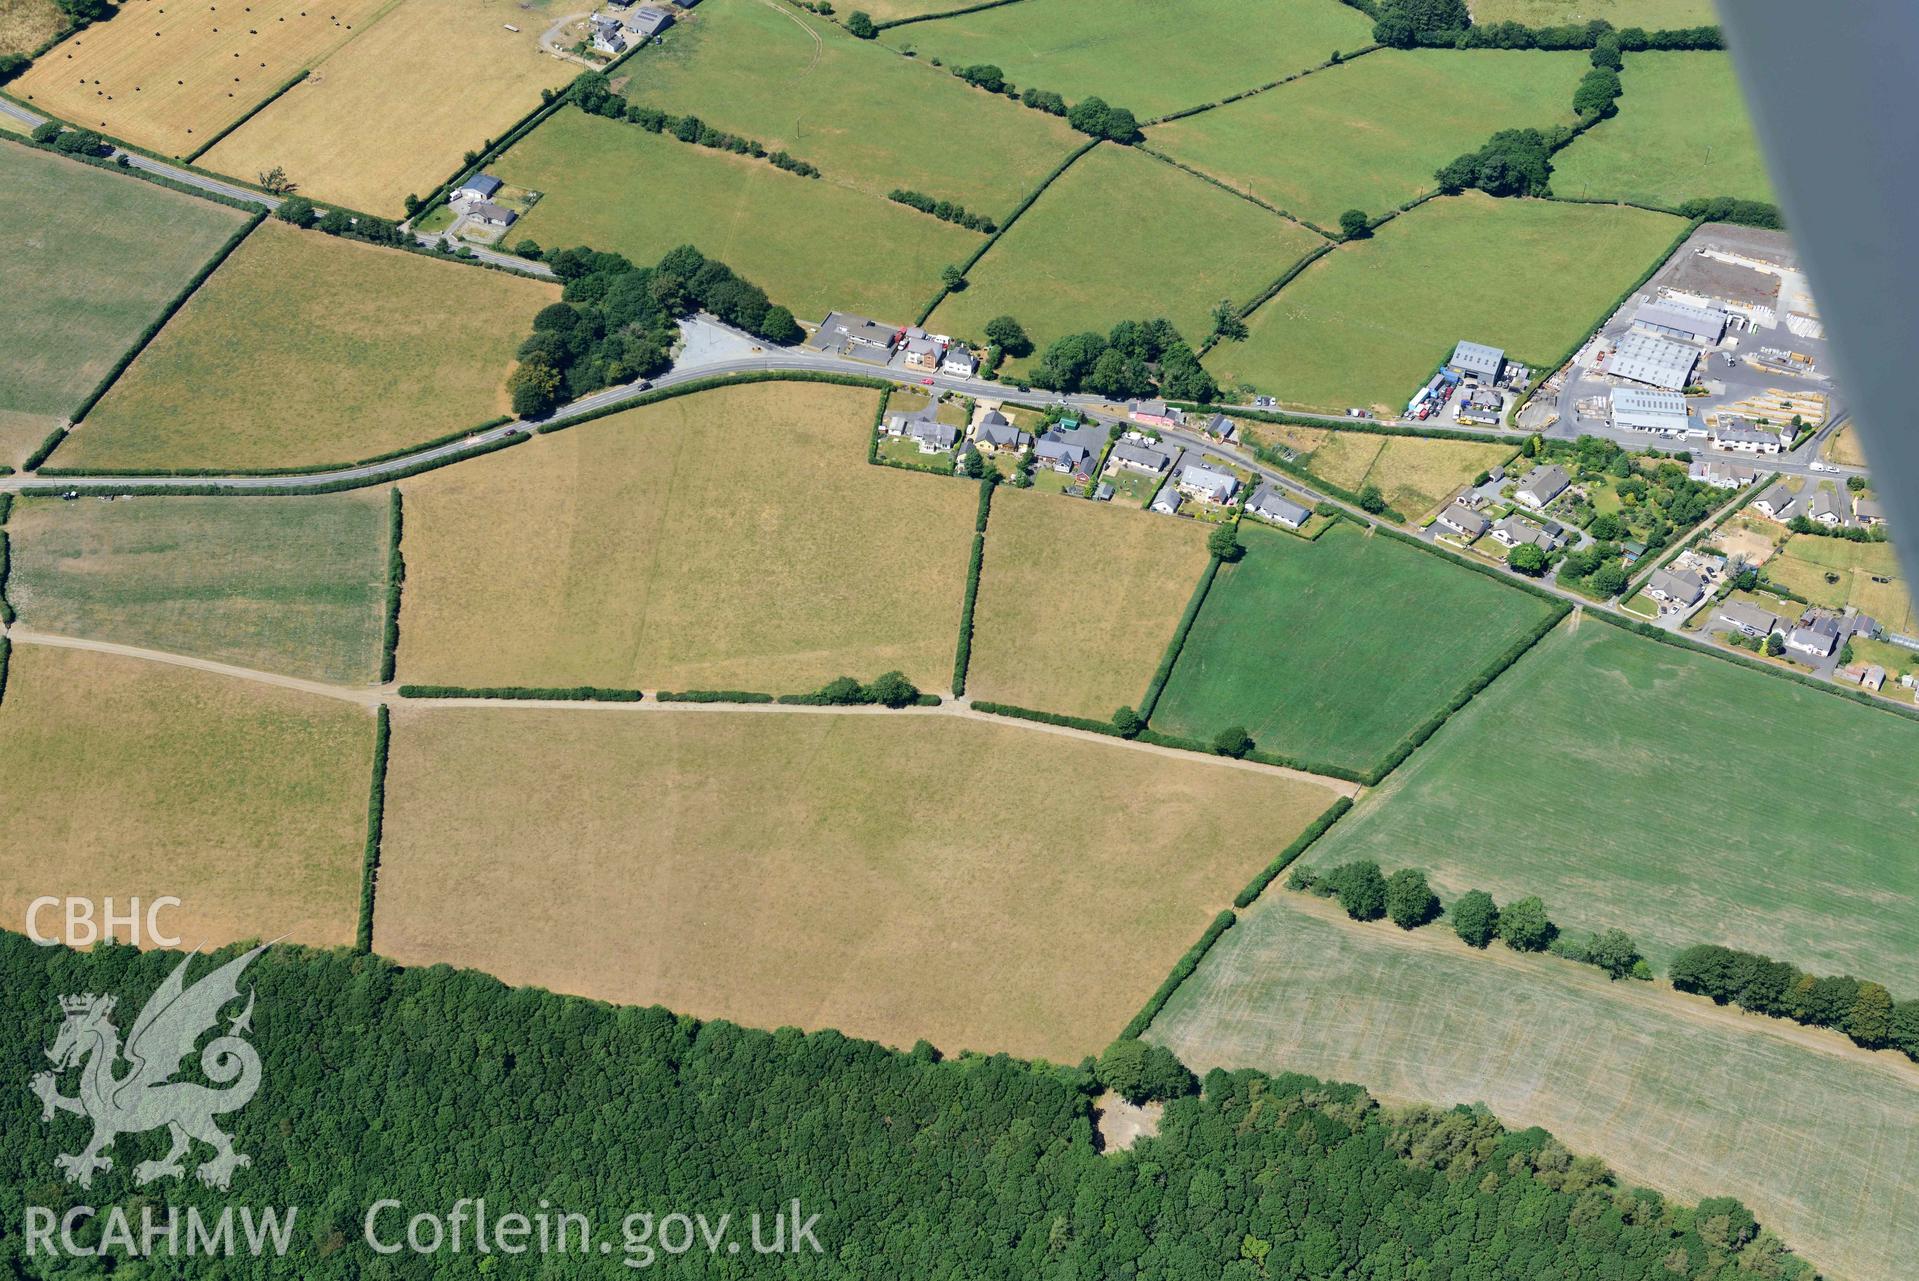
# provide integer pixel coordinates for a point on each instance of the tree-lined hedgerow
(1860, 1008)
(1408, 901)
(617, 322)
(891, 689)
(1092, 116)
(400, 1083)
(944, 210)
(593, 94)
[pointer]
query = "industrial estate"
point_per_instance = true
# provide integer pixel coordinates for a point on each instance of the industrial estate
(1094, 638)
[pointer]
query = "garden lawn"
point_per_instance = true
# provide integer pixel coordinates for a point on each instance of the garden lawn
(1332, 651)
(796, 869)
(1369, 134)
(812, 244)
(1367, 324)
(87, 261)
(1149, 56)
(307, 350)
(293, 585)
(435, 79)
(1814, 1136)
(171, 76)
(1632, 784)
(866, 116)
(1685, 110)
(1122, 236)
(733, 539)
(1078, 601)
(1803, 563)
(1653, 15)
(25, 25)
(133, 779)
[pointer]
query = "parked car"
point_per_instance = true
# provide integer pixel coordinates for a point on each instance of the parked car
(1358, 413)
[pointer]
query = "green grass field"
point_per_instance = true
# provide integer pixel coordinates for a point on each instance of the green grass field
(1122, 236)
(1819, 1139)
(1367, 324)
(1150, 56)
(87, 260)
(815, 245)
(293, 585)
(1332, 651)
(1631, 784)
(866, 116)
(305, 349)
(1368, 135)
(127, 778)
(1686, 110)
(1653, 15)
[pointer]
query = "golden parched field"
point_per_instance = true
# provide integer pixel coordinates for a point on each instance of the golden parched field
(27, 24)
(733, 539)
(170, 74)
(305, 349)
(793, 868)
(1077, 601)
(394, 111)
(125, 777)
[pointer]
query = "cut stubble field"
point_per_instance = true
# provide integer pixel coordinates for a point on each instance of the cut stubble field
(1149, 56)
(1119, 236)
(734, 539)
(1367, 324)
(437, 78)
(171, 81)
(1332, 651)
(1818, 1138)
(290, 585)
(807, 869)
(126, 778)
(1370, 133)
(812, 244)
(84, 272)
(1078, 601)
(1684, 108)
(862, 113)
(1661, 804)
(304, 350)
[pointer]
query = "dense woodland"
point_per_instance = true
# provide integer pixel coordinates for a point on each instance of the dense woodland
(427, 1085)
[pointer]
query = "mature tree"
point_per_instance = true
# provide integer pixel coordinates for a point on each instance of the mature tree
(1354, 224)
(1775, 645)
(297, 210)
(1006, 333)
(1610, 580)
(779, 328)
(1597, 92)
(1410, 901)
(1233, 741)
(1527, 559)
(335, 222)
(842, 691)
(1903, 1029)
(1869, 1022)
(12, 64)
(80, 142)
(276, 183)
(892, 690)
(859, 23)
(952, 277)
(1139, 1072)
(1475, 918)
(1606, 53)
(1227, 322)
(1360, 888)
(1605, 527)
(1224, 543)
(1371, 499)
(1614, 952)
(1127, 722)
(1096, 118)
(1044, 100)
(534, 387)
(1524, 925)
(45, 131)
(984, 75)
(971, 465)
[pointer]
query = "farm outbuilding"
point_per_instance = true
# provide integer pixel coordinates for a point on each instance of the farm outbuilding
(1479, 359)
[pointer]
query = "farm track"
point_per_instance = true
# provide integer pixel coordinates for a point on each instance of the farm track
(374, 695)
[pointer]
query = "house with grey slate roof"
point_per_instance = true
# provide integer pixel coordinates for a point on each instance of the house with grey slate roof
(1269, 502)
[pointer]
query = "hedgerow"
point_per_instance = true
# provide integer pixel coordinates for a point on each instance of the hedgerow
(375, 828)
